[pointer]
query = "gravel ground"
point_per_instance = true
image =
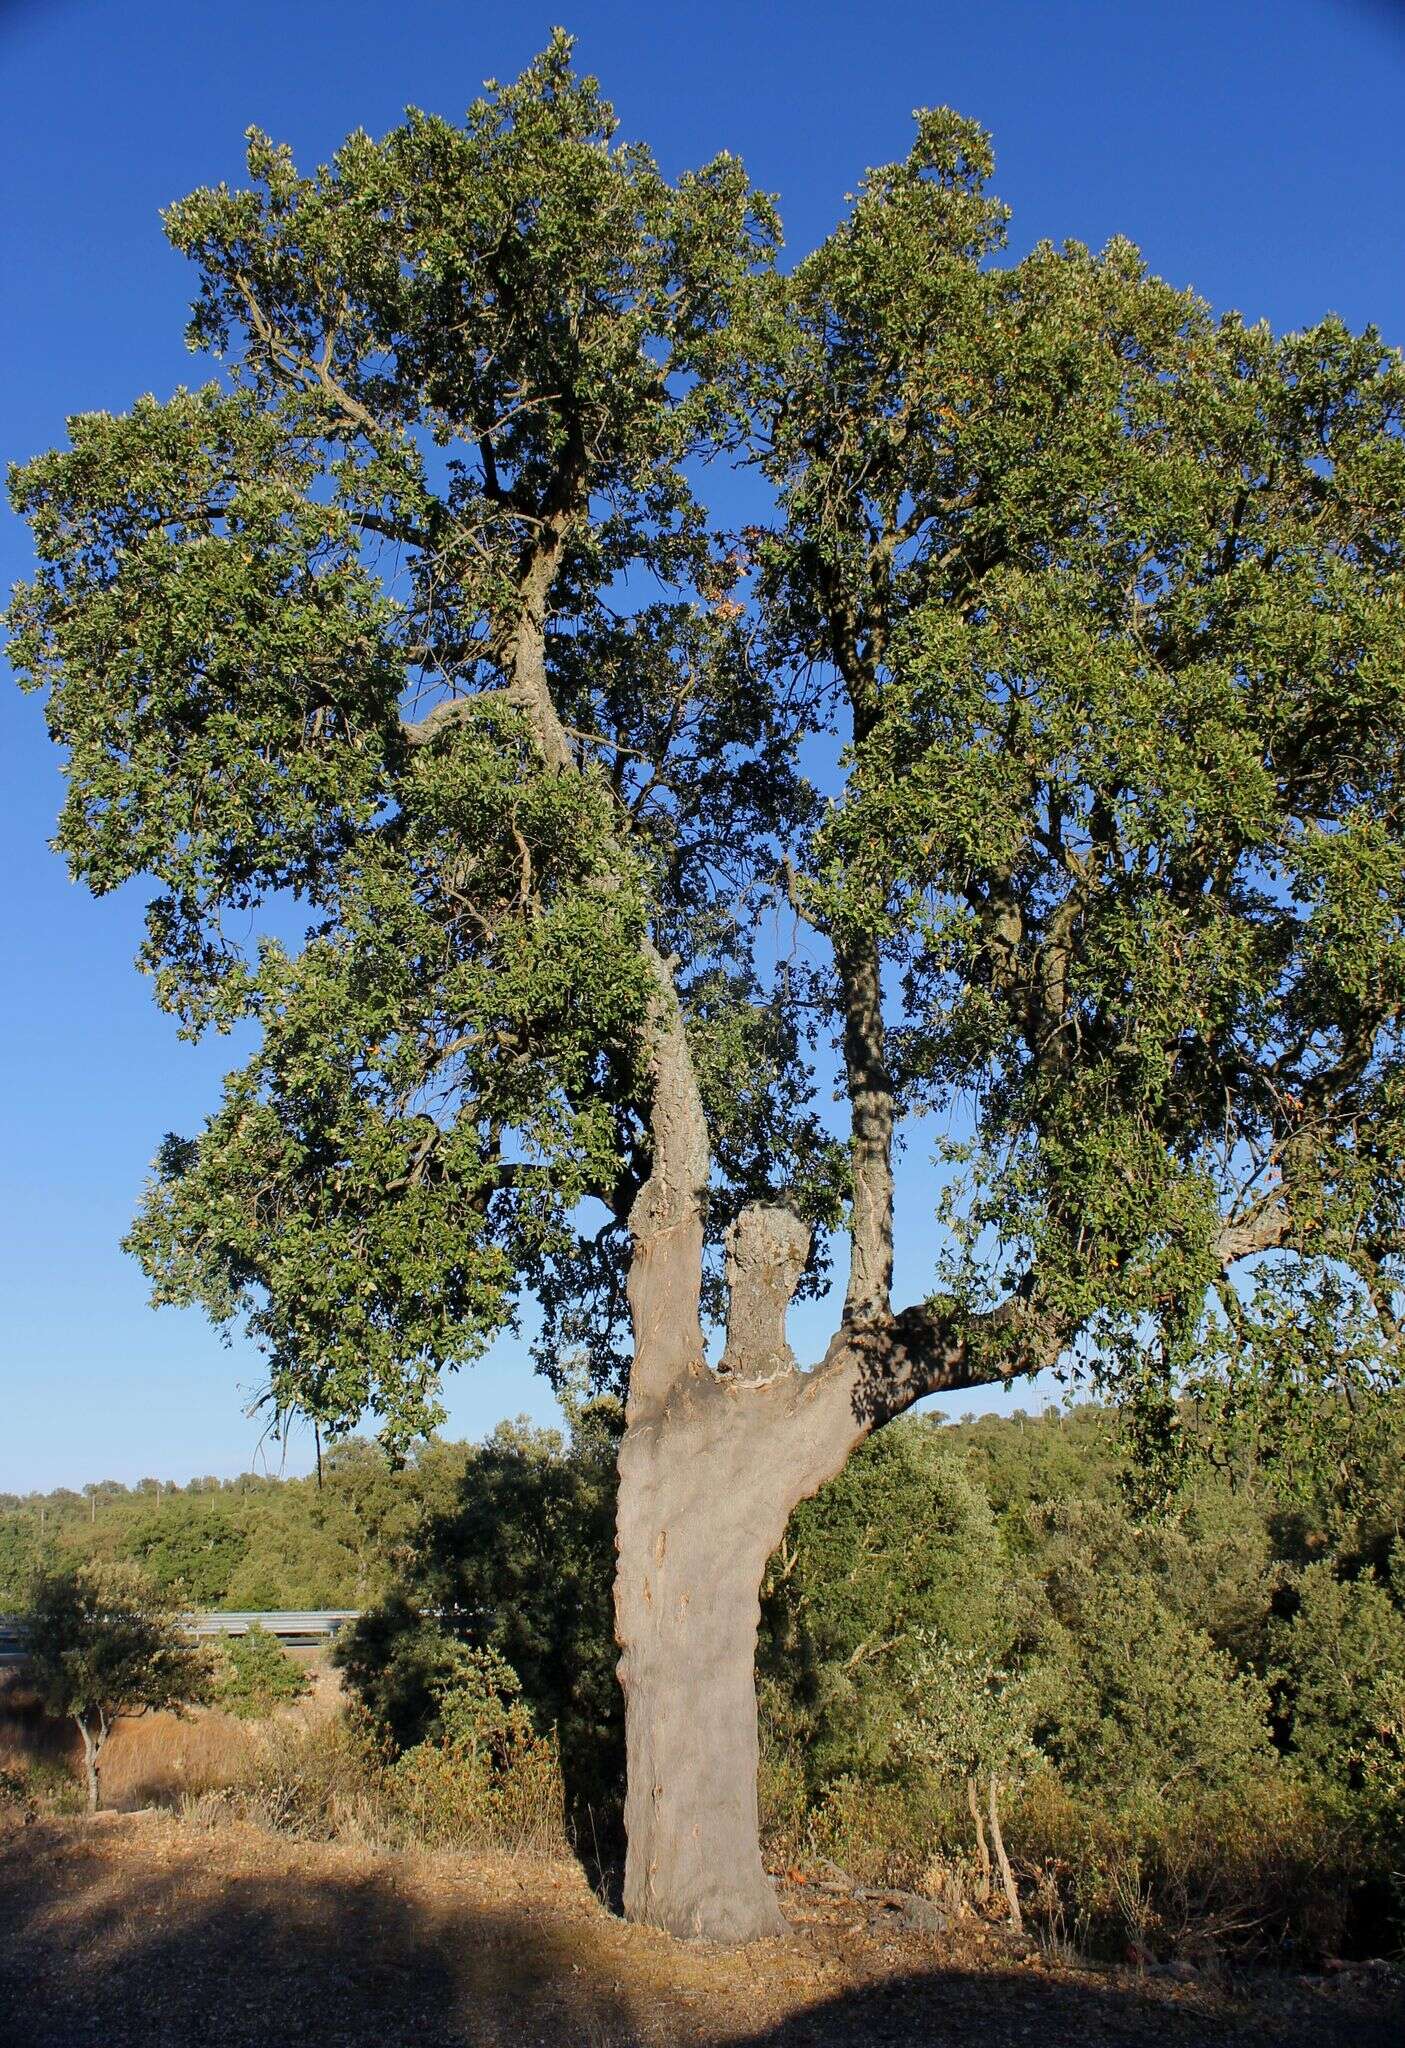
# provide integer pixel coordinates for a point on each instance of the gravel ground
(140, 1931)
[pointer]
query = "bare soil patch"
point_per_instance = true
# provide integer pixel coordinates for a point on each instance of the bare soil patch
(143, 1931)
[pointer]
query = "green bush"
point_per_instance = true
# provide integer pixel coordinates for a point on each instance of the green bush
(397, 1662)
(516, 1558)
(486, 1779)
(1133, 1700)
(900, 1543)
(254, 1675)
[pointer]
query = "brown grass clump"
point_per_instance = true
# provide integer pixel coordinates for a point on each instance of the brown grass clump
(313, 1771)
(153, 1759)
(333, 1783)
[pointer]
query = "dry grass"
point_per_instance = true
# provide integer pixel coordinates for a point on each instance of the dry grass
(310, 1770)
(136, 1931)
(157, 1759)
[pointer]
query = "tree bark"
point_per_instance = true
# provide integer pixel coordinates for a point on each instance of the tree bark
(707, 1484)
(710, 1467)
(92, 1746)
(871, 1141)
(697, 1522)
(1007, 1876)
(982, 1852)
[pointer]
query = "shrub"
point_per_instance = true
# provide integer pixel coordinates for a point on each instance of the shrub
(517, 1560)
(967, 1721)
(398, 1662)
(487, 1779)
(254, 1675)
(900, 1542)
(35, 1785)
(319, 1784)
(1180, 1870)
(1339, 1672)
(1137, 1700)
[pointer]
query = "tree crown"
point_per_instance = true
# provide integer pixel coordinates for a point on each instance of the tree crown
(1038, 762)
(103, 1640)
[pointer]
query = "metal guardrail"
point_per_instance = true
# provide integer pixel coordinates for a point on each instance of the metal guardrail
(297, 1628)
(312, 1625)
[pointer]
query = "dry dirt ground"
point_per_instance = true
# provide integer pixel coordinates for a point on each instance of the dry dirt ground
(138, 1930)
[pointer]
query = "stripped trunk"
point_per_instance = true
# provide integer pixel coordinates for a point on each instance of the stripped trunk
(699, 1515)
(707, 1485)
(710, 1467)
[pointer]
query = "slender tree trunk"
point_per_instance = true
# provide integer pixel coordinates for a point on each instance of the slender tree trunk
(974, 1802)
(92, 1745)
(1007, 1876)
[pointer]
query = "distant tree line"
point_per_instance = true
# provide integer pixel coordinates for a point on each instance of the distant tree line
(250, 1543)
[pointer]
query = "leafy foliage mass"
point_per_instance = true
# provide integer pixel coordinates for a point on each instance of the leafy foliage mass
(464, 364)
(518, 1567)
(1193, 1716)
(102, 1641)
(253, 1674)
(1039, 748)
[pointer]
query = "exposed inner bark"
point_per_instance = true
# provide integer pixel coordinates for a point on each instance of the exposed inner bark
(696, 1524)
(710, 1467)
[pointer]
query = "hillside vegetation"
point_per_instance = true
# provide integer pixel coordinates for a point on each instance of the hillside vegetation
(253, 1543)
(1184, 1719)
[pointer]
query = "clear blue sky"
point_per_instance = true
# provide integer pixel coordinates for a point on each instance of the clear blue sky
(1252, 150)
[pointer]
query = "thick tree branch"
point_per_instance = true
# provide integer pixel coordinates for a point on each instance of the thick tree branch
(874, 1370)
(871, 1146)
(443, 718)
(1266, 1227)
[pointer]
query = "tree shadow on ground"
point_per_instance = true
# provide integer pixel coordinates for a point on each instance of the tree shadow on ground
(160, 1940)
(92, 1953)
